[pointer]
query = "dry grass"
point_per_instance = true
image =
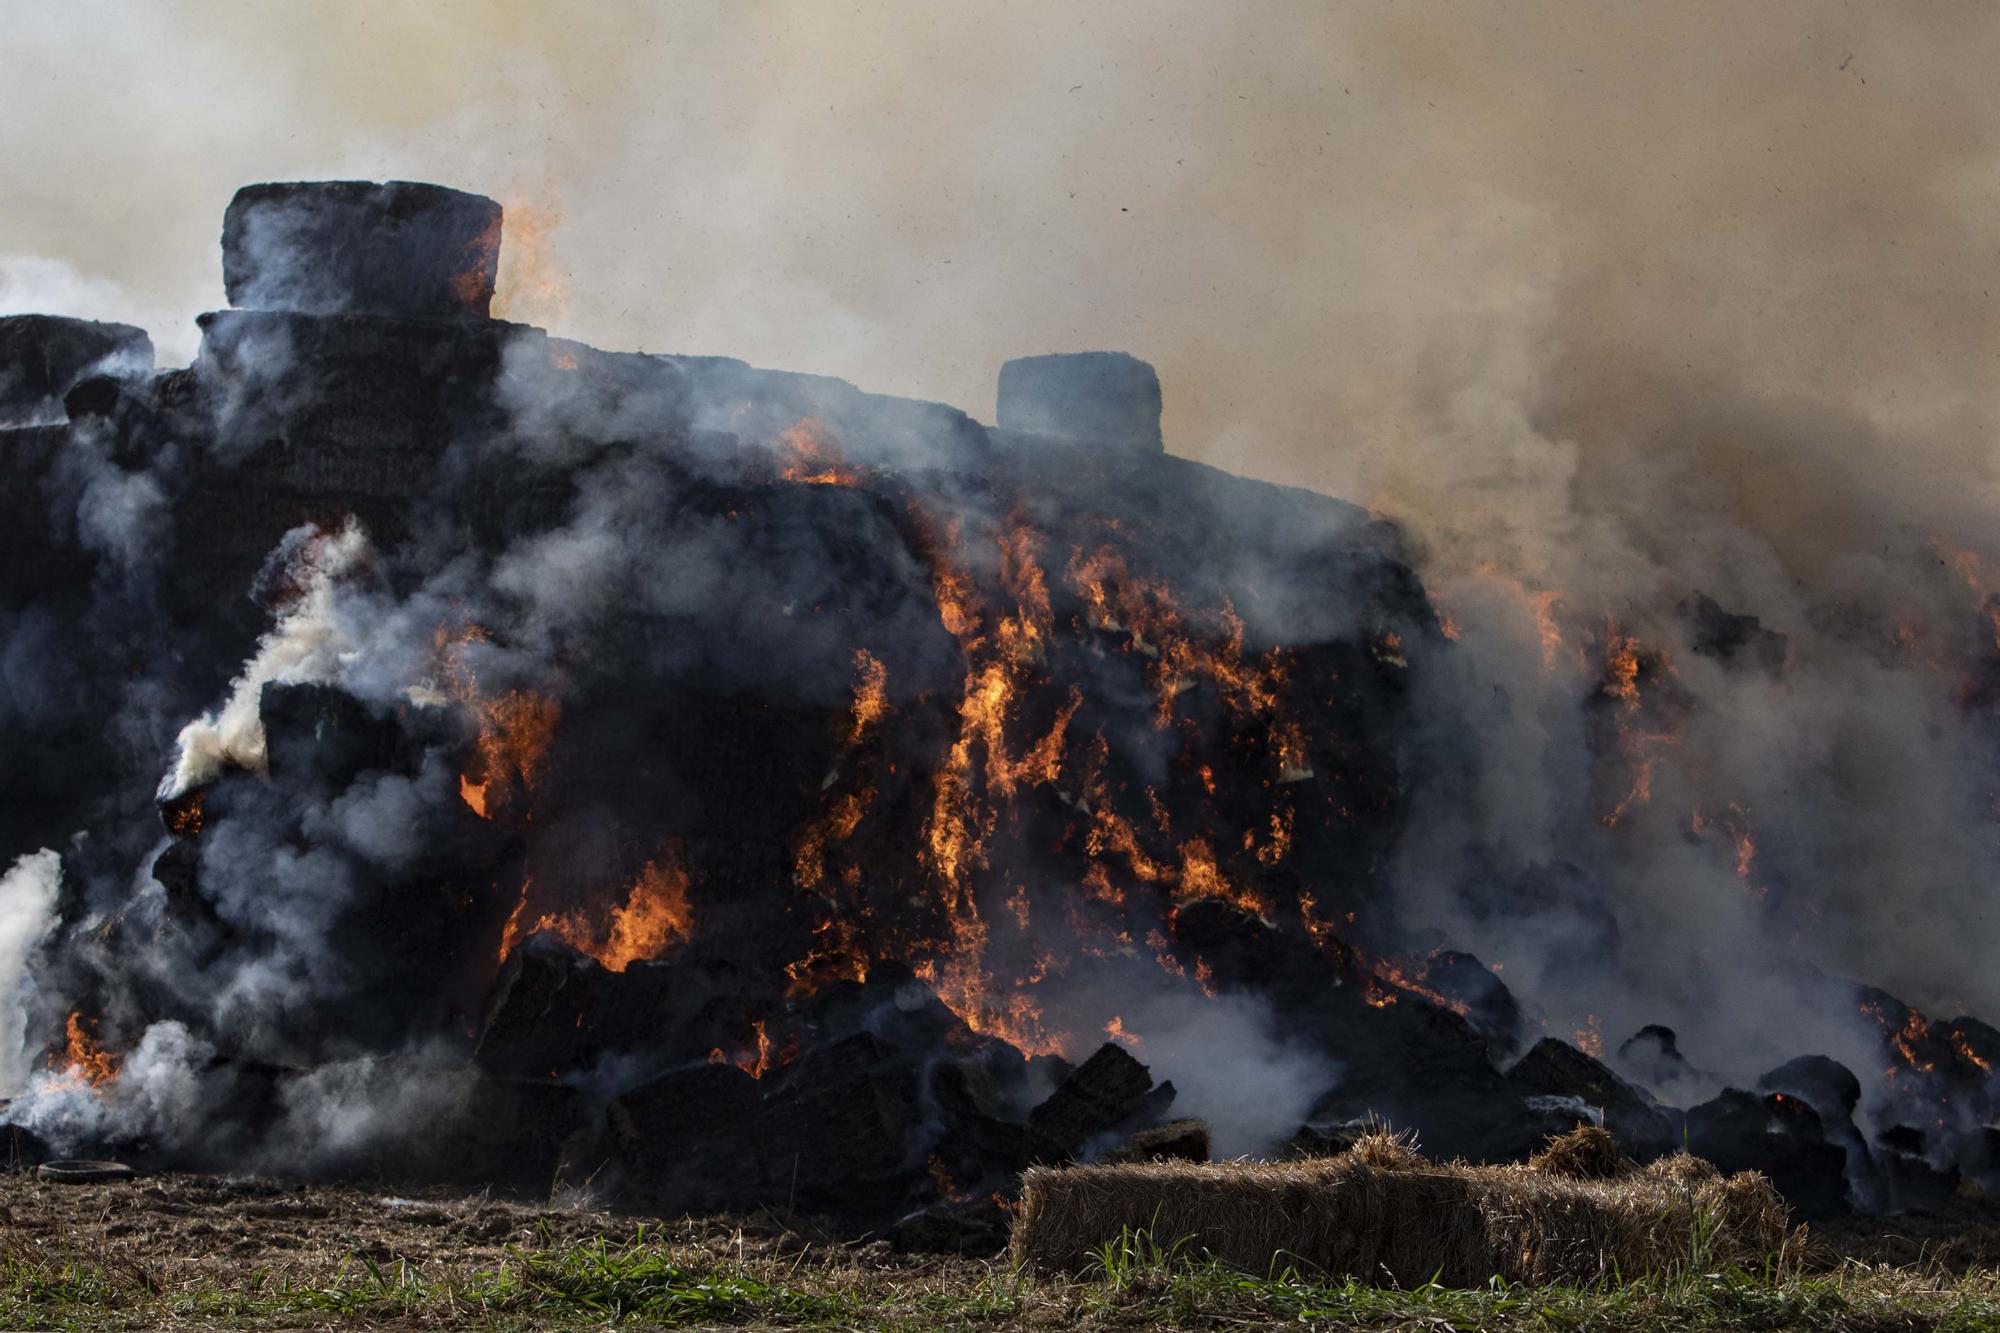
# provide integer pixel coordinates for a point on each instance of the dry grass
(1579, 1213)
(197, 1253)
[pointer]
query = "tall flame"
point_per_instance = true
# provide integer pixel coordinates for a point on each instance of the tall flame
(654, 917)
(83, 1062)
(516, 728)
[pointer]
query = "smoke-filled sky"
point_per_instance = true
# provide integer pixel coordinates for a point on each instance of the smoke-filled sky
(1756, 241)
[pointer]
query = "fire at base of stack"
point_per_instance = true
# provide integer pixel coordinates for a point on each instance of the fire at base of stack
(443, 751)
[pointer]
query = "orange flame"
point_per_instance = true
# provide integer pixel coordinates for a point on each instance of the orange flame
(83, 1063)
(756, 1060)
(184, 815)
(1201, 877)
(474, 795)
(1589, 1038)
(870, 695)
(1964, 1048)
(532, 285)
(836, 826)
(470, 282)
(1412, 976)
(813, 457)
(515, 729)
(1641, 749)
(654, 917)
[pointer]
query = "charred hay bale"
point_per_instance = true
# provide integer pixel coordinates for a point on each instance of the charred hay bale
(1106, 1091)
(1101, 396)
(21, 1149)
(358, 247)
(1404, 1221)
(1823, 1083)
(1558, 1080)
(43, 356)
(1175, 1141)
(1779, 1135)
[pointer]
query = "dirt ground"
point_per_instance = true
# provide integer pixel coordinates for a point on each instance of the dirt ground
(180, 1225)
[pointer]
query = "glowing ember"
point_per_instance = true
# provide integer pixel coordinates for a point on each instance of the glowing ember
(511, 933)
(1621, 669)
(832, 829)
(1589, 1038)
(1115, 1030)
(1965, 1051)
(481, 255)
(1641, 748)
(812, 457)
(1411, 976)
(184, 816)
(870, 695)
(756, 1059)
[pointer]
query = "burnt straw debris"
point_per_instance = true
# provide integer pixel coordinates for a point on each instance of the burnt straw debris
(440, 750)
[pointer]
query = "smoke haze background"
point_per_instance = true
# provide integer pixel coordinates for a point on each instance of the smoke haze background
(1625, 303)
(1321, 222)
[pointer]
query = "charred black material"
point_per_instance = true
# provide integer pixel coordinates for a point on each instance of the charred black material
(1736, 639)
(346, 247)
(1779, 1135)
(1107, 397)
(1106, 1091)
(1557, 1077)
(43, 356)
(1175, 1141)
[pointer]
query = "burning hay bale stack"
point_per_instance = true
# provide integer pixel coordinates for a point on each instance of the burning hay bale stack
(1578, 1212)
(718, 787)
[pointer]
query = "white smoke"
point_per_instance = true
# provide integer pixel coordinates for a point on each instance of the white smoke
(27, 914)
(160, 1090)
(38, 284)
(1229, 1066)
(310, 642)
(342, 1113)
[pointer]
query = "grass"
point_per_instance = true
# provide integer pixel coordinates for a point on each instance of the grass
(1139, 1282)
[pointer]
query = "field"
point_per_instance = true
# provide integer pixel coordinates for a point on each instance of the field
(201, 1252)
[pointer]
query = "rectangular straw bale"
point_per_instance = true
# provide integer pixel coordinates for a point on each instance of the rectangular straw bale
(1383, 1214)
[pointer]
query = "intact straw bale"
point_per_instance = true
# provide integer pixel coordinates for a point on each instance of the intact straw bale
(1384, 1214)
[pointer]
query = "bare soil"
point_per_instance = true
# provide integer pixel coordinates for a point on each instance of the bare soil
(182, 1226)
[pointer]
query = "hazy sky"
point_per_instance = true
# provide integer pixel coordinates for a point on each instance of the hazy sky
(1363, 242)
